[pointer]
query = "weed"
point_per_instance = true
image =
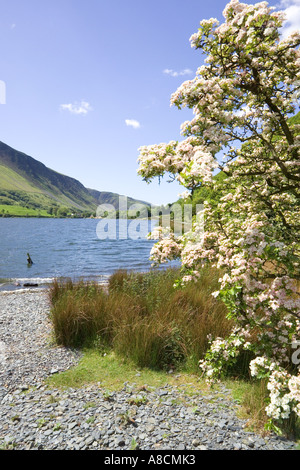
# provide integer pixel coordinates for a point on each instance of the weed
(90, 420)
(15, 418)
(52, 399)
(41, 422)
(107, 395)
(138, 400)
(126, 418)
(90, 404)
(134, 444)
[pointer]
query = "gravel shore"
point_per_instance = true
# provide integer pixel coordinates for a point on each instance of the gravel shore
(35, 417)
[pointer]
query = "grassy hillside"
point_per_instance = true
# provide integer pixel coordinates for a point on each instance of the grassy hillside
(10, 180)
(27, 186)
(20, 172)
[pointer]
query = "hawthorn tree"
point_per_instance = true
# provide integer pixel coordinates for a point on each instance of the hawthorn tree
(242, 99)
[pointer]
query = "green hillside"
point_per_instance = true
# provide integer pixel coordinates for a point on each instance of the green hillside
(10, 180)
(29, 188)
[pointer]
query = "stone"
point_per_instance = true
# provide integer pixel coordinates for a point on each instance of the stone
(44, 419)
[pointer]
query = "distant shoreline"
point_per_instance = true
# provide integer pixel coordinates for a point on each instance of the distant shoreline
(40, 284)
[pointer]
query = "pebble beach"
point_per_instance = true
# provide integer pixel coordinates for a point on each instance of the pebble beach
(36, 417)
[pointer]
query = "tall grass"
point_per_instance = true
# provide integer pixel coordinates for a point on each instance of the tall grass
(141, 317)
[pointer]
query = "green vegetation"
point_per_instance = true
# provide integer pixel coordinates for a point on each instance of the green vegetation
(111, 371)
(20, 211)
(142, 318)
(139, 329)
(205, 193)
(10, 180)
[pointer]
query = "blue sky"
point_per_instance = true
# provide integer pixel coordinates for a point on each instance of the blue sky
(89, 82)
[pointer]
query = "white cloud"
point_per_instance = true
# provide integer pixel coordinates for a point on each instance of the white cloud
(173, 73)
(132, 123)
(292, 12)
(77, 108)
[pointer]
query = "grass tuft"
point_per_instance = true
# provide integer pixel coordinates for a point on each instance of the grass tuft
(142, 317)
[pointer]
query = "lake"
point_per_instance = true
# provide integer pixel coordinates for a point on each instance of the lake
(72, 248)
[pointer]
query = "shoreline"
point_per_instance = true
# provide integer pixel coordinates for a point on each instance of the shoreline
(35, 284)
(33, 416)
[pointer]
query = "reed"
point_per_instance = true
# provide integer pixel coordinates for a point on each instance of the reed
(141, 316)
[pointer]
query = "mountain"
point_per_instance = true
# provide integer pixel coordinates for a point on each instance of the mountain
(104, 197)
(28, 183)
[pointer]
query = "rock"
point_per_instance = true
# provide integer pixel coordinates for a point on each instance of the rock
(120, 442)
(89, 440)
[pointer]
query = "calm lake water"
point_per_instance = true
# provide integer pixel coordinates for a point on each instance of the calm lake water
(73, 248)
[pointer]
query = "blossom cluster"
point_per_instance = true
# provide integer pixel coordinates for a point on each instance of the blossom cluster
(284, 388)
(188, 161)
(222, 353)
(167, 249)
